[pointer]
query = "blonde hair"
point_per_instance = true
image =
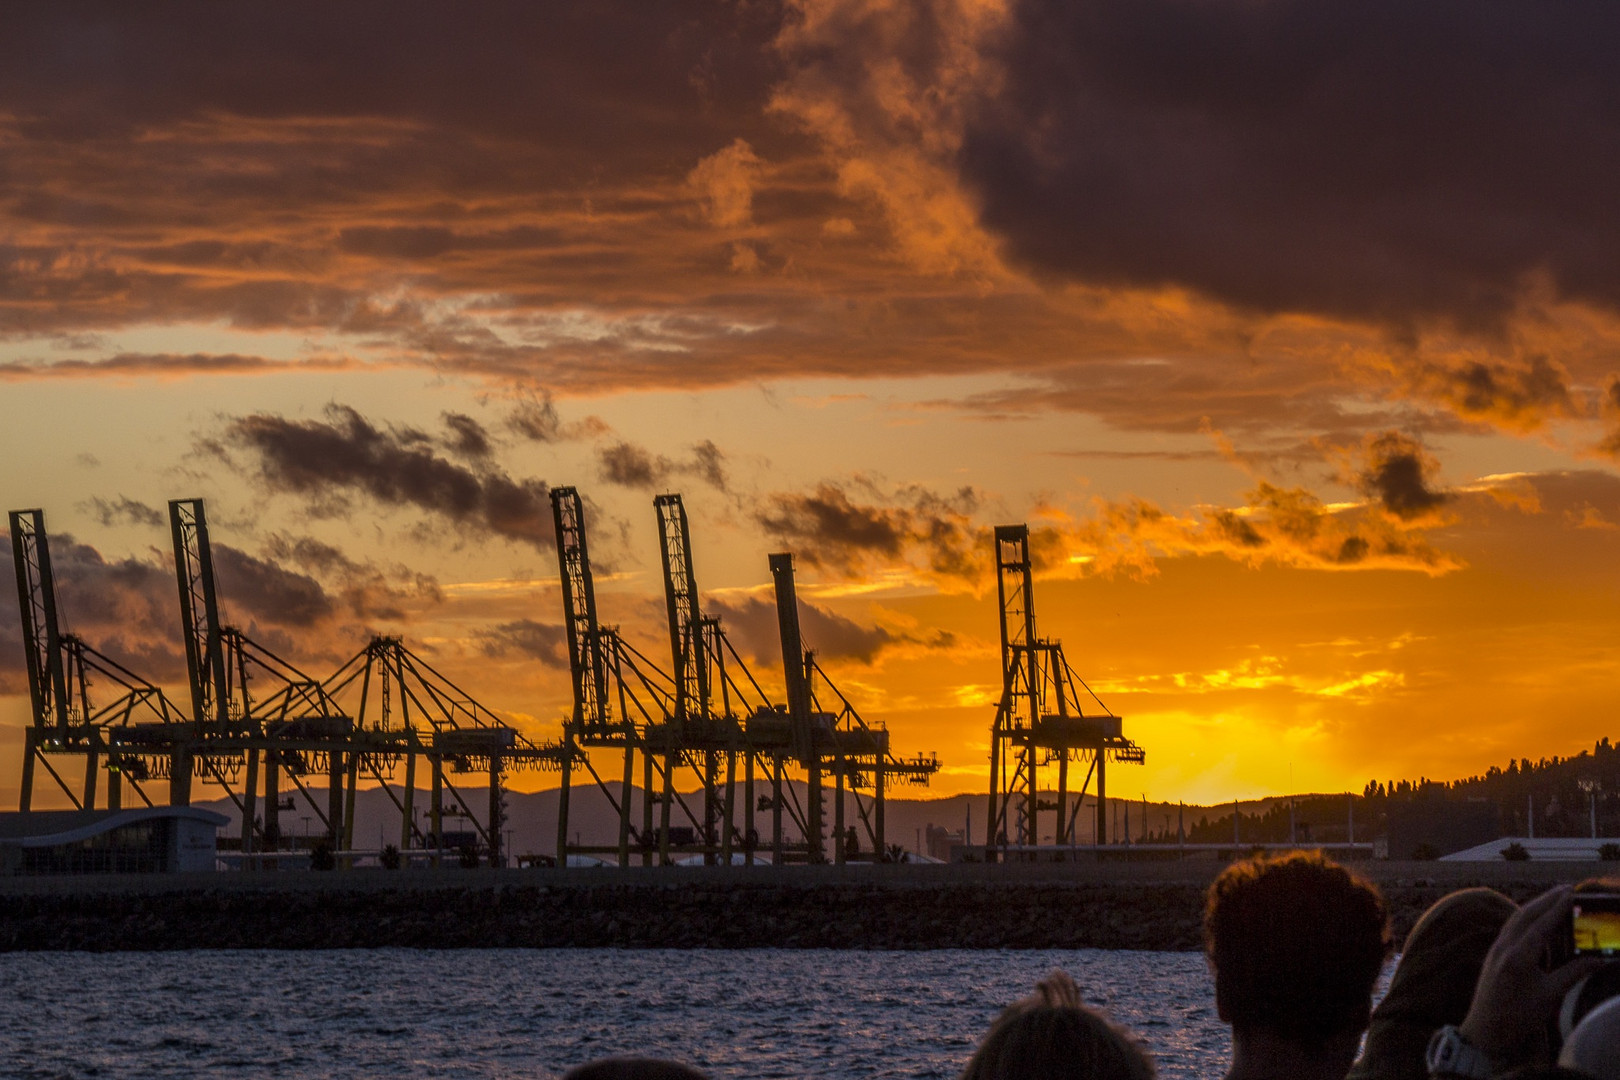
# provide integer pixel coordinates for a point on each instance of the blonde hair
(1052, 1035)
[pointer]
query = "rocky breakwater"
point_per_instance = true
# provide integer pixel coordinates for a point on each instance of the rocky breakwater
(479, 910)
(634, 916)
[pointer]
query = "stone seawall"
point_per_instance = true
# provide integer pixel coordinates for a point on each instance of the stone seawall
(511, 909)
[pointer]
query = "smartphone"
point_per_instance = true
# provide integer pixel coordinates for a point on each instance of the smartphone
(1594, 924)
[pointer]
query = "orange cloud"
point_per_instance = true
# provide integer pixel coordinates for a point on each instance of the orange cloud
(724, 182)
(1286, 526)
(167, 366)
(856, 528)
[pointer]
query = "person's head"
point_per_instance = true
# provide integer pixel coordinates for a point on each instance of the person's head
(1296, 943)
(1052, 1036)
(633, 1068)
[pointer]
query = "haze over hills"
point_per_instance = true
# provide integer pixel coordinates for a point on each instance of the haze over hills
(532, 816)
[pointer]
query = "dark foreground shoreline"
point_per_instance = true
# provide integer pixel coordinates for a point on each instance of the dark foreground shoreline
(1107, 906)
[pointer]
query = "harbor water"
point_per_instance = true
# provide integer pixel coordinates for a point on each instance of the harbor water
(400, 1013)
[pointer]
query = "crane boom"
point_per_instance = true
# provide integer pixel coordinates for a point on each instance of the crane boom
(787, 619)
(199, 613)
(42, 638)
(586, 664)
(686, 637)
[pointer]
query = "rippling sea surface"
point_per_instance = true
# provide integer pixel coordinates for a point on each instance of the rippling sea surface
(400, 1013)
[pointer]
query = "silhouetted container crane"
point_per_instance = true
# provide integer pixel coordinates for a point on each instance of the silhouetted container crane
(841, 743)
(1040, 719)
(287, 723)
(604, 670)
(260, 708)
(252, 711)
(596, 662)
(66, 717)
(257, 719)
(709, 715)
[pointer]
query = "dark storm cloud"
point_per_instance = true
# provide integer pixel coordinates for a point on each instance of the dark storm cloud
(827, 518)
(751, 625)
(590, 198)
(829, 528)
(346, 454)
(536, 420)
(1397, 473)
(124, 509)
(629, 465)
(709, 464)
(545, 642)
(369, 591)
(576, 78)
(1384, 159)
(127, 608)
(262, 589)
(1517, 393)
(1537, 387)
(467, 436)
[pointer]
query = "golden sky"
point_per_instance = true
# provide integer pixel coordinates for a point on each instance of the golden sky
(1291, 328)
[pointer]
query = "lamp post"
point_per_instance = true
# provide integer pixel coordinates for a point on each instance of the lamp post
(1591, 788)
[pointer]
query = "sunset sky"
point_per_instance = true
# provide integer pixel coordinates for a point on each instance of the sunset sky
(1291, 327)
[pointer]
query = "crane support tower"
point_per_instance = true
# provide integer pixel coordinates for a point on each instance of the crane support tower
(1040, 720)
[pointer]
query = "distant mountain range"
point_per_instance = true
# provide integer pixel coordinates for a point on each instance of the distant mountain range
(531, 817)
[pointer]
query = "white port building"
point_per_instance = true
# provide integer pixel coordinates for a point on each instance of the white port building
(149, 840)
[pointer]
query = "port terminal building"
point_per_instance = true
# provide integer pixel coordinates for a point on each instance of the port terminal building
(155, 839)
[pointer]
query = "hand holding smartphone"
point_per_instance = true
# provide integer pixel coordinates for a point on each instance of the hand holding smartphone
(1594, 924)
